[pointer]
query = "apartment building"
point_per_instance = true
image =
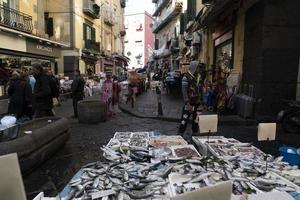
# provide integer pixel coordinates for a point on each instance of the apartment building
(139, 40)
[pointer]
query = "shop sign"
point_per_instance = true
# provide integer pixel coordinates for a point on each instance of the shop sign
(35, 47)
(227, 36)
(223, 26)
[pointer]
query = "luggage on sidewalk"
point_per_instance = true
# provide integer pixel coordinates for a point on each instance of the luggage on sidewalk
(245, 104)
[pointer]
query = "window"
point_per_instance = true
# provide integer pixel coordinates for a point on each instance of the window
(89, 33)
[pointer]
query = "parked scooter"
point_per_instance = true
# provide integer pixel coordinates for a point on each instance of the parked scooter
(290, 117)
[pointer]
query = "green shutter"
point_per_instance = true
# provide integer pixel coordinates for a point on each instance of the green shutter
(191, 10)
(182, 28)
(84, 31)
(93, 36)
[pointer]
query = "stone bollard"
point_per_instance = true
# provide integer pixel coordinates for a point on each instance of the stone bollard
(92, 111)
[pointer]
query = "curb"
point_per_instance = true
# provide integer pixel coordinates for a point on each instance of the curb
(250, 122)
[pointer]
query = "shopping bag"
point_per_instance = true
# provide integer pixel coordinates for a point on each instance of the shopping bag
(55, 102)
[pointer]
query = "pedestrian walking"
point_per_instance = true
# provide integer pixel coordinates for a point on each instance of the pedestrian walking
(192, 95)
(132, 87)
(20, 95)
(42, 95)
(77, 89)
(116, 94)
(55, 87)
(107, 93)
(31, 80)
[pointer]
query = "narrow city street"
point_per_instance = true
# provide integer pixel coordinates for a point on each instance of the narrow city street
(149, 99)
(85, 141)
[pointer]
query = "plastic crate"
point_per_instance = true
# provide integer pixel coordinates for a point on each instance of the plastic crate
(290, 155)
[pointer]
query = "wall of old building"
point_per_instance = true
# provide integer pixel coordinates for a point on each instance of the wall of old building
(272, 48)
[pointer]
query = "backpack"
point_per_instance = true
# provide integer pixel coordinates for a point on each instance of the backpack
(54, 88)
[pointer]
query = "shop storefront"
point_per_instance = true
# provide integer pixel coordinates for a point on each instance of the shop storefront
(223, 55)
(33, 52)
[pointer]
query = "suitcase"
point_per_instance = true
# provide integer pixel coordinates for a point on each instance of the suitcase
(245, 104)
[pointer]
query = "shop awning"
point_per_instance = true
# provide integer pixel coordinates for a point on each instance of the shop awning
(220, 8)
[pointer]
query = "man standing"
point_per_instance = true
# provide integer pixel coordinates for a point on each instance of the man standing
(42, 96)
(77, 89)
(192, 95)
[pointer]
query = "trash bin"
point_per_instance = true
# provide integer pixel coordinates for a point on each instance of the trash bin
(91, 111)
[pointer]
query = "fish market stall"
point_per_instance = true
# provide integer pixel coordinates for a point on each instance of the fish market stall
(142, 165)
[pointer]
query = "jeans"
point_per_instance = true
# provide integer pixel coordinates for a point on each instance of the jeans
(75, 101)
(185, 116)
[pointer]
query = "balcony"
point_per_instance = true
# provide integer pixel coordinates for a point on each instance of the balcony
(92, 45)
(109, 17)
(123, 3)
(160, 4)
(91, 9)
(15, 19)
(163, 20)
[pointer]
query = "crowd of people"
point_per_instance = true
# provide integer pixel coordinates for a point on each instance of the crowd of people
(32, 92)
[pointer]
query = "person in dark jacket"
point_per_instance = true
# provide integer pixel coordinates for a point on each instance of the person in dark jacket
(192, 96)
(20, 96)
(42, 97)
(77, 89)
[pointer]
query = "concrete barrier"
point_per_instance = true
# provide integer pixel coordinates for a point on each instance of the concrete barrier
(92, 111)
(33, 149)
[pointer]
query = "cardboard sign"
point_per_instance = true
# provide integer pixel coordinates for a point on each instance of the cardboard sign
(221, 191)
(11, 184)
(266, 131)
(208, 123)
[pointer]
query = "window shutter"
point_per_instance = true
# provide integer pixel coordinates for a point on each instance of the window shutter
(84, 31)
(93, 34)
(191, 10)
(182, 23)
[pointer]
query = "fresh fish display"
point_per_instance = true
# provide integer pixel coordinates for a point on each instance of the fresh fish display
(185, 151)
(135, 172)
(140, 135)
(122, 135)
(166, 141)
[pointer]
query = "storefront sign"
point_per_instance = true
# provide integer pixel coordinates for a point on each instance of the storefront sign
(227, 36)
(44, 48)
(39, 48)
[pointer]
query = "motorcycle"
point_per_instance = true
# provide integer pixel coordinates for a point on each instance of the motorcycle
(290, 117)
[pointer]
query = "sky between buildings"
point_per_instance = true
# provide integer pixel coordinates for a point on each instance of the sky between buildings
(138, 6)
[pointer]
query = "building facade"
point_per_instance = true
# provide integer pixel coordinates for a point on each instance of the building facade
(95, 35)
(112, 36)
(172, 18)
(139, 40)
(251, 45)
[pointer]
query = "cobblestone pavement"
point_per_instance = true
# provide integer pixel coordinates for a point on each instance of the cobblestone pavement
(85, 140)
(146, 105)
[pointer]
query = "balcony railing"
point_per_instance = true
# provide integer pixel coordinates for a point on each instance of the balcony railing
(15, 19)
(92, 45)
(109, 16)
(160, 4)
(171, 12)
(91, 9)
